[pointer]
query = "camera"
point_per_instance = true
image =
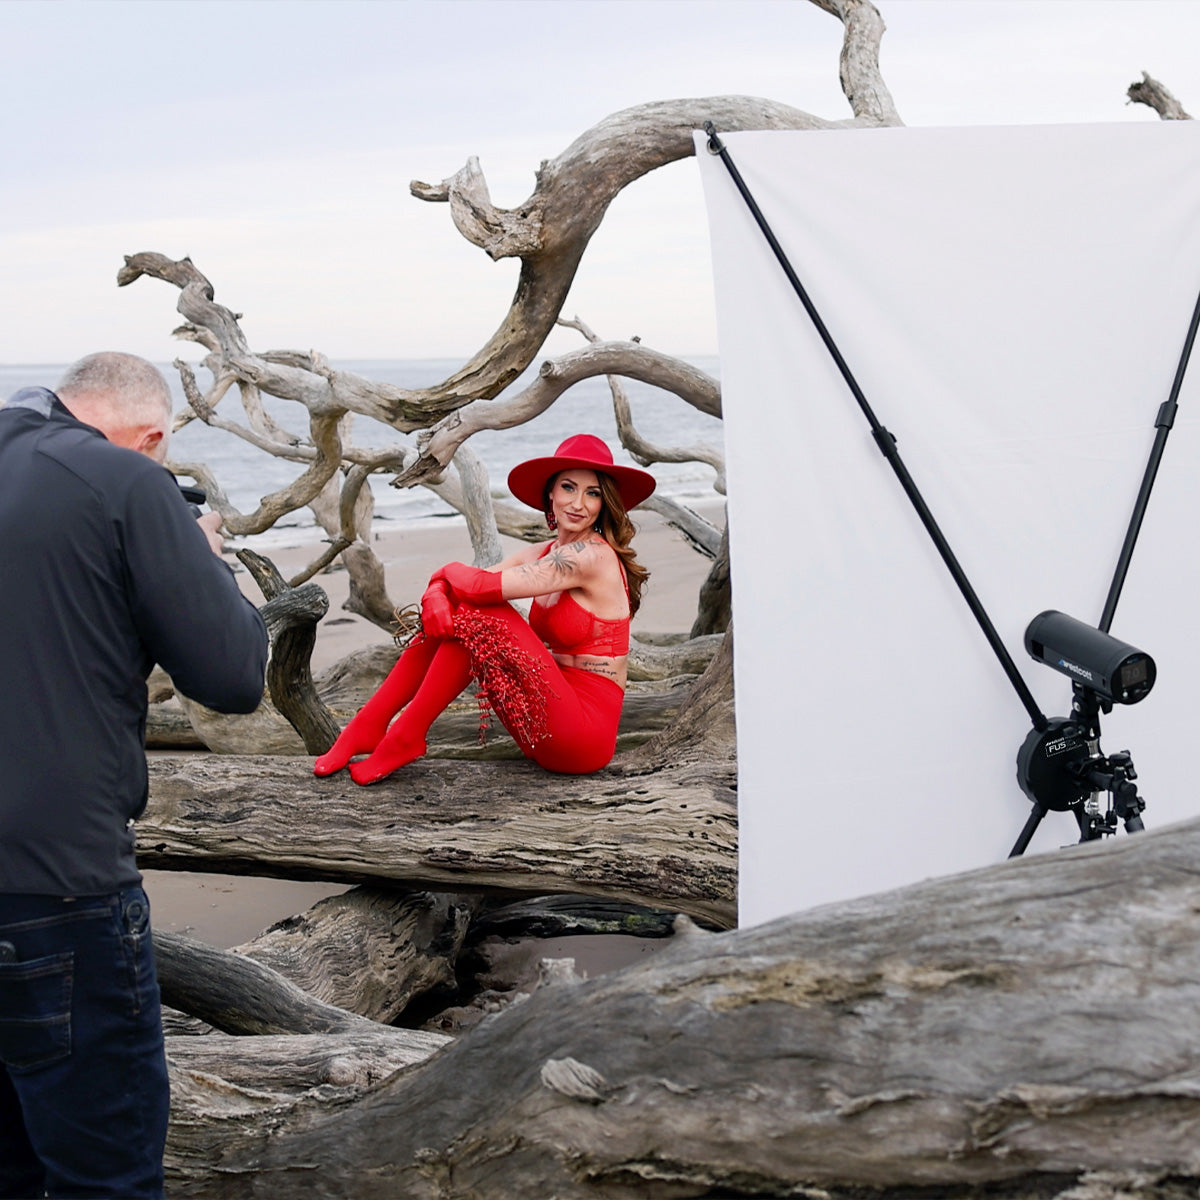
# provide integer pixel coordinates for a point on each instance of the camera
(195, 496)
(1116, 671)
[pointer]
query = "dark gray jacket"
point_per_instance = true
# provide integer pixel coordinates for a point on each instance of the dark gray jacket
(103, 573)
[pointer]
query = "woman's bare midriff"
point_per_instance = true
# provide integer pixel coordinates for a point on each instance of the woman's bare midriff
(616, 669)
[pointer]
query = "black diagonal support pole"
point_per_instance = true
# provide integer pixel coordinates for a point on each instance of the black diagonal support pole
(1163, 422)
(886, 443)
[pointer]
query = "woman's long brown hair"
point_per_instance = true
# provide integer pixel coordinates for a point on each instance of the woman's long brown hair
(617, 530)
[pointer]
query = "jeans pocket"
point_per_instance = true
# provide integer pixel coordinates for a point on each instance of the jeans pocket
(133, 918)
(35, 1011)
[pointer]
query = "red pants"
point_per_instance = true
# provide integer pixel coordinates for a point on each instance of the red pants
(565, 719)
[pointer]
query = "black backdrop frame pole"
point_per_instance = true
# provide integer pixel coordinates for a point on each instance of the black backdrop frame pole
(1163, 423)
(886, 443)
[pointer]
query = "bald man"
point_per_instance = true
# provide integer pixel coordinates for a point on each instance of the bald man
(104, 571)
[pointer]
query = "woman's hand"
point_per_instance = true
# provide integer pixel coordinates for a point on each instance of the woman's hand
(437, 612)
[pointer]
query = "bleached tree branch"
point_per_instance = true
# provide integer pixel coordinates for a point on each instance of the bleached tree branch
(1152, 93)
(643, 452)
(555, 376)
(550, 230)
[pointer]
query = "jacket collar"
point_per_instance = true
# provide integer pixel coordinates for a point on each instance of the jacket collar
(40, 399)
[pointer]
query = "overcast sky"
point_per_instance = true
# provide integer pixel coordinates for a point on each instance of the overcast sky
(274, 143)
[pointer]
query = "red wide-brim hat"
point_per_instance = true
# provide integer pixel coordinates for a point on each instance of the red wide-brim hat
(527, 480)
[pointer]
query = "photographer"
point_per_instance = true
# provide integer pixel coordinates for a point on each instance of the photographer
(104, 572)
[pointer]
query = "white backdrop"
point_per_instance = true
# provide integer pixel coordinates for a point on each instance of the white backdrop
(1013, 303)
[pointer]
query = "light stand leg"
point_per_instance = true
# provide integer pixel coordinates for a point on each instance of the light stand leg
(1022, 843)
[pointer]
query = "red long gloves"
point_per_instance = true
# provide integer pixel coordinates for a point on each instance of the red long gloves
(471, 583)
(462, 583)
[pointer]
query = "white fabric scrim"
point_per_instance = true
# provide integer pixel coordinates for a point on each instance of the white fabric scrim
(1013, 303)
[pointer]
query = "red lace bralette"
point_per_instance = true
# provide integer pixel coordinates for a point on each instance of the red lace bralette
(568, 628)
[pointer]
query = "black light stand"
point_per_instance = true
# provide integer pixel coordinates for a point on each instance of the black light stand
(1083, 780)
(1059, 765)
(1163, 423)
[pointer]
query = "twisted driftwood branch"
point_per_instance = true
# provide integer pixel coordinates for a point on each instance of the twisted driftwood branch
(550, 230)
(292, 615)
(438, 446)
(705, 538)
(646, 453)
(715, 608)
(238, 995)
(369, 950)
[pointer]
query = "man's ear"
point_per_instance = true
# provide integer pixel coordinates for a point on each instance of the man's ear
(150, 442)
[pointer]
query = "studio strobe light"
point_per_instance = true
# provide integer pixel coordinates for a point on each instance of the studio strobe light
(1120, 673)
(1060, 768)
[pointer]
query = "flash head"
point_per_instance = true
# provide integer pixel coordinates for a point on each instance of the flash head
(1115, 670)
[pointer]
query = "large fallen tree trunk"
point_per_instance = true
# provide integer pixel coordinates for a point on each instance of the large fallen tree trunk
(1016, 1027)
(664, 838)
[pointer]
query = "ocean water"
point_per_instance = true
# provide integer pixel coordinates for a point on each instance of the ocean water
(247, 473)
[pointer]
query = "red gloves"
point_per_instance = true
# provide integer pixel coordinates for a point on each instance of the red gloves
(437, 613)
(470, 583)
(452, 582)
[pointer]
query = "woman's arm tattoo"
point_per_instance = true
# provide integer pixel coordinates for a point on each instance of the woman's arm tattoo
(559, 561)
(562, 560)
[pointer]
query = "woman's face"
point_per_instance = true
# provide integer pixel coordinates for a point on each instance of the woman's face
(575, 501)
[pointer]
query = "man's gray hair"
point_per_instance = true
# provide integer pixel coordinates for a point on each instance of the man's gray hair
(129, 385)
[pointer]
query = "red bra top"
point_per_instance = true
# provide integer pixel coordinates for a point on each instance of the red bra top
(568, 628)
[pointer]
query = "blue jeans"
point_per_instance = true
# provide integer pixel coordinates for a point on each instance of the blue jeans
(83, 1076)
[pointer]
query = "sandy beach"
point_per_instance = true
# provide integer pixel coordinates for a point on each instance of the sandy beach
(229, 910)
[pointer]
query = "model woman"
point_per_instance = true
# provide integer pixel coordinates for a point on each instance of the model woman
(556, 681)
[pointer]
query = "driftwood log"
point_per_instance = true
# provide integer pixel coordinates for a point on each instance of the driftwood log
(237, 995)
(564, 916)
(222, 1085)
(291, 717)
(292, 614)
(715, 608)
(169, 728)
(650, 706)
(1028, 1028)
(664, 838)
(369, 950)
(291, 1064)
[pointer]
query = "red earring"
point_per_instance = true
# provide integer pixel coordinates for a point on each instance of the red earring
(551, 520)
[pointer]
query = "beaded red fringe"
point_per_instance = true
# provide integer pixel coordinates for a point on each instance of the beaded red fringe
(511, 681)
